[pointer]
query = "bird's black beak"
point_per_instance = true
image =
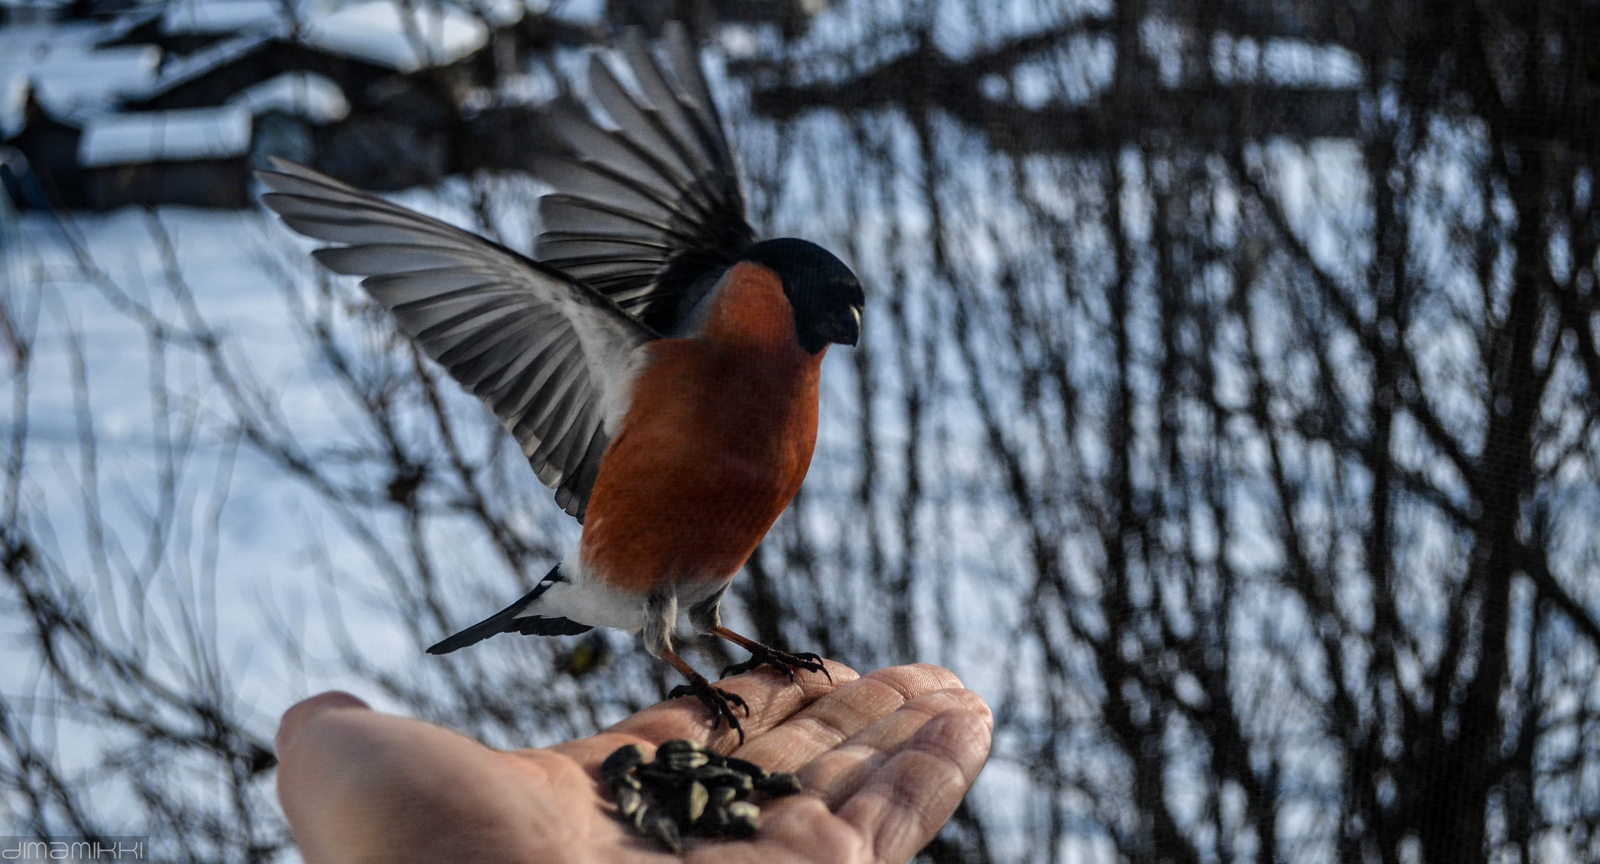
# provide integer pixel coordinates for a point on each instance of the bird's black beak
(843, 329)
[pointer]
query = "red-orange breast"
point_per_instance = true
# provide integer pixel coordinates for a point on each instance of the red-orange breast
(715, 443)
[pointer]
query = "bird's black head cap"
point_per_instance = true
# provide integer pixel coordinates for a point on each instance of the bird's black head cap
(824, 293)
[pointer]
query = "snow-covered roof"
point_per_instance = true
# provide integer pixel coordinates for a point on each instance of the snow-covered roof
(67, 75)
(502, 13)
(221, 16)
(165, 136)
(126, 23)
(371, 31)
(378, 32)
(185, 69)
(75, 81)
(303, 94)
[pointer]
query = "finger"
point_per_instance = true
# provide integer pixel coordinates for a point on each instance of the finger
(842, 713)
(840, 772)
(803, 826)
(357, 784)
(300, 713)
(771, 697)
(911, 795)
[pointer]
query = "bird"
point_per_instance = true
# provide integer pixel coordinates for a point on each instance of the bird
(657, 362)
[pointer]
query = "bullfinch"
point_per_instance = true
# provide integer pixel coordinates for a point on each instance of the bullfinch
(656, 362)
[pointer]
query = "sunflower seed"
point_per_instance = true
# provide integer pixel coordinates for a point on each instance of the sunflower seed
(744, 819)
(641, 817)
(714, 823)
(779, 785)
(682, 762)
(658, 776)
(689, 788)
(622, 761)
(749, 769)
(660, 826)
(722, 778)
(722, 796)
(695, 801)
(713, 771)
(629, 801)
(679, 745)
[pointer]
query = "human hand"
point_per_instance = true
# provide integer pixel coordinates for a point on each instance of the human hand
(884, 760)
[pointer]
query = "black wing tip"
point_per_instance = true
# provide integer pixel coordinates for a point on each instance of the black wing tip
(532, 625)
(455, 642)
(470, 636)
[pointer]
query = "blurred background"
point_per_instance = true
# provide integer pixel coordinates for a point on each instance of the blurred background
(1227, 414)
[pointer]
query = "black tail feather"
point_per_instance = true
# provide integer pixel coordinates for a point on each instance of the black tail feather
(506, 621)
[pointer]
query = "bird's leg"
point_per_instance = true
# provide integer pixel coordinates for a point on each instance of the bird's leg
(763, 655)
(720, 701)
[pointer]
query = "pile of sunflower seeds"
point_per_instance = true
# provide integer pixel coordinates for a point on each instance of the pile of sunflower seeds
(690, 789)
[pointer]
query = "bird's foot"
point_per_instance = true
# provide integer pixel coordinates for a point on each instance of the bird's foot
(720, 701)
(783, 661)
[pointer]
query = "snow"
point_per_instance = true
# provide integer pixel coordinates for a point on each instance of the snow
(13, 103)
(228, 16)
(59, 64)
(303, 94)
(120, 26)
(372, 31)
(188, 68)
(165, 136)
(74, 81)
(377, 32)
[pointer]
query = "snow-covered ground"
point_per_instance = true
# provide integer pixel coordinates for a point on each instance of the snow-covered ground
(259, 572)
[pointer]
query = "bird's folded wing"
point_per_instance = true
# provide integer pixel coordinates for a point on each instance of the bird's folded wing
(551, 358)
(648, 205)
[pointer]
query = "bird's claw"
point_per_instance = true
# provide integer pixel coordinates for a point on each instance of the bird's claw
(782, 661)
(720, 701)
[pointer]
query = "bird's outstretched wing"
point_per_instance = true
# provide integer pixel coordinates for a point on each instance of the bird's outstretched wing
(649, 209)
(552, 358)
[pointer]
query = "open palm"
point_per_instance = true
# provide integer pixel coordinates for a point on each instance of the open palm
(884, 760)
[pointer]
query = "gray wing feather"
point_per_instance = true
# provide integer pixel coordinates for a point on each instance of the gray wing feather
(647, 205)
(601, 186)
(696, 93)
(550, 356)
(644, 129)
